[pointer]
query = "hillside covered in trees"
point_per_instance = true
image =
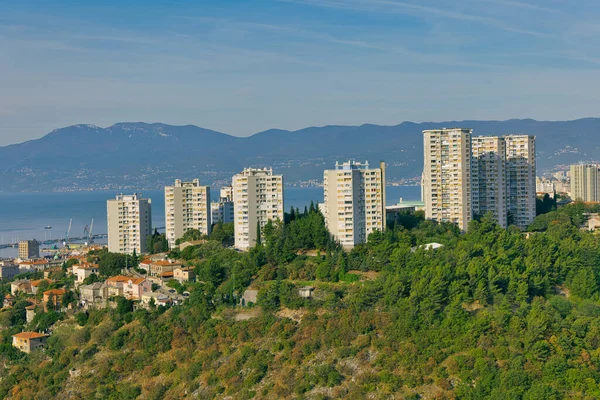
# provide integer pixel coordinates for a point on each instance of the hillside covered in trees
(493, 314)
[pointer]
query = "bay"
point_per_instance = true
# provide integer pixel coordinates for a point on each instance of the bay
(24, 215)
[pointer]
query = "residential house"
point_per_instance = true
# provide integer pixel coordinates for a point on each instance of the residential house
(145, 264)
(53, 297)
(34, 265)
(85, 270)
(94, 295)
(184, 274)
(128, 286)
(160, 299)
(36, 284)
(23, 286)
(29, 341)
(166, 277)
(157, 268)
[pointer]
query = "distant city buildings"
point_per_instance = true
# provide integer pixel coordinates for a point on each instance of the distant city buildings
(29, 249)
(465, 176)
(222, 210)
(257, 198)
(585, 184)
(129, 219)
(544, 186)
(354, 205)
(187, 206)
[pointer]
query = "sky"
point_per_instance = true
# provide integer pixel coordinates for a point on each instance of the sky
(241, 67)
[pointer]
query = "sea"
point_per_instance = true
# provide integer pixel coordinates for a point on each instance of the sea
(45, 216)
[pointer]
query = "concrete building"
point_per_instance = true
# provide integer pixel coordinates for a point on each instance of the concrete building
(585, 182)
(447, 176)
(187, 206)
(129, 219)
(222, 210)
(94, 295)
(488, 177)
(466, 176)
(84, 270)
(128, 286)
(354, 205)
(520, 179)
(8, 270)
(29, 341)
(257, 198)
(29, 249)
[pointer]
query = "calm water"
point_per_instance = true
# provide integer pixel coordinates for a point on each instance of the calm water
(24, 216)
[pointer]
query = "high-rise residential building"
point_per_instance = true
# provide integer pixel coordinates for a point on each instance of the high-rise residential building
(467, 175)
(187, 206)
(129, 219)
(222, 210)
(488, 177)
(354, 204)
(585, 182)
(257, 198)
(29, 249)
(520, 179)
(447, 176)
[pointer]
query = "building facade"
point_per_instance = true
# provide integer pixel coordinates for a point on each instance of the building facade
(129, 219)
(354, 204)
(29, 249)
(466, 176)
(585, 184)
(520, 179)
(447, 176)
(8, 270)
(488, 177)
(222, 210)
(187, 206)
(257, 198)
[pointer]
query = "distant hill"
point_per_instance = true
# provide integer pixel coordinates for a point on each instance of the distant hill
(147, 156)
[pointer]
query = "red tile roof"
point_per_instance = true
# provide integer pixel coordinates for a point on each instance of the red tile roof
(30, 335)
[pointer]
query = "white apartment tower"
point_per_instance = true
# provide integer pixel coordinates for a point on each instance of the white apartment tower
(354, 204)
(585, 182)
(257, 198)
(129, 219)
(447, 176)
(488, 177)
(187, 206)
(520, 179)
(468, 175)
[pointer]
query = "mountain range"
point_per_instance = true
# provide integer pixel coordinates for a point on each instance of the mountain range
(137, 155)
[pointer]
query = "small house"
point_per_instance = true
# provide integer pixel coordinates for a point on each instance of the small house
(29, 341)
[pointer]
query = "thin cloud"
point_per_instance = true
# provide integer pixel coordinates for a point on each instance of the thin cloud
(385, 6)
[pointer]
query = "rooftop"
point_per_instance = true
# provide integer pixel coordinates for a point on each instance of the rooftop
(30, 335)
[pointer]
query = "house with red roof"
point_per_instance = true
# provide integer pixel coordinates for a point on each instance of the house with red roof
(29, 341)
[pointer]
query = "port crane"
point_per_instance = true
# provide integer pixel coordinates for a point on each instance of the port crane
(68, 232)
(87, 232)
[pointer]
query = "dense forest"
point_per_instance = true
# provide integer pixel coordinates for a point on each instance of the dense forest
(492, 314)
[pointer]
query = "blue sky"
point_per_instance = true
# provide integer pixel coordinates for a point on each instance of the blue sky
(244, 66)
